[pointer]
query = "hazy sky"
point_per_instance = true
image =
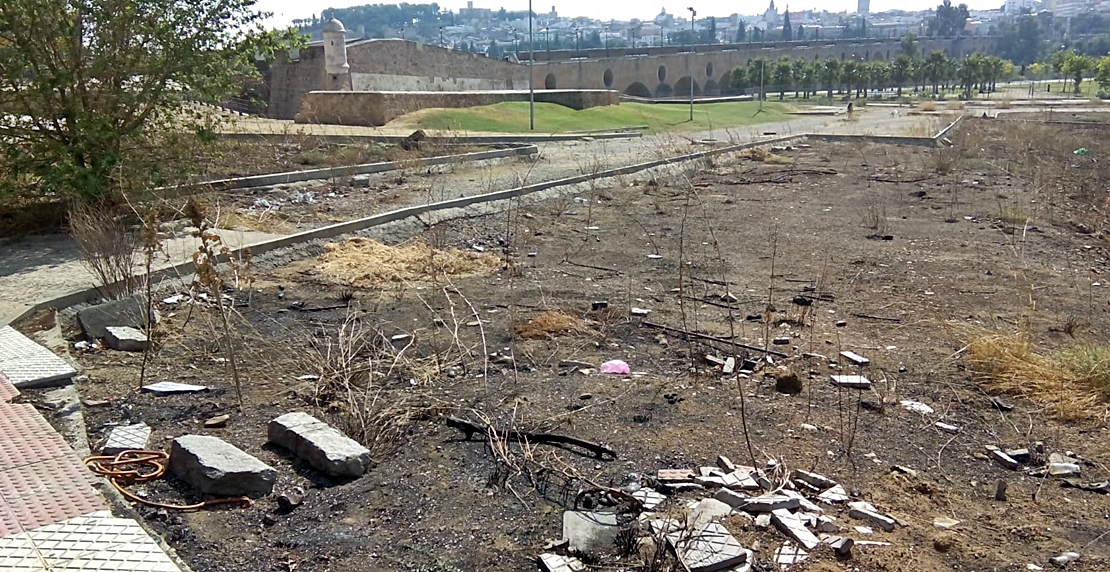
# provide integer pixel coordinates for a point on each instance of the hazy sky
(286, 10)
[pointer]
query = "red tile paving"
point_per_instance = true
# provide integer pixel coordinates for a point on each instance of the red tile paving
(7, 390)
(26, 437)
(9, 524)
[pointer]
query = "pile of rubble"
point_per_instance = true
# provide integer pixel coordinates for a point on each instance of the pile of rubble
(682, 509)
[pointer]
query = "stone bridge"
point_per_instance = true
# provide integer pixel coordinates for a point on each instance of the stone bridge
(671, 71)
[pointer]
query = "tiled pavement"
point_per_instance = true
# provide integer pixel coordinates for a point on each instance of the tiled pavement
(27, 364)
(51, 517)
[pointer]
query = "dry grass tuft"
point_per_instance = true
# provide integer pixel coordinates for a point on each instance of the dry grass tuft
(366, 263)
(764, 156)
(1072, 383)
(552, 323)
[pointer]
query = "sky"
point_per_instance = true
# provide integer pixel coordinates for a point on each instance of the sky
(286, 10)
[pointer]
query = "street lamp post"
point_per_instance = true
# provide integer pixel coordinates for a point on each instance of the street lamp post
(401, 31)
(693, 14)
(441, 36)
(531, 74)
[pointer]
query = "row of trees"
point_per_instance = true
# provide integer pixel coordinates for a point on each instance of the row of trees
(977, 72)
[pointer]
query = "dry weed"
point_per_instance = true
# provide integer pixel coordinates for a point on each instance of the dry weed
(366, 263)
(1072, 383)
(108, 248)
(553, 323)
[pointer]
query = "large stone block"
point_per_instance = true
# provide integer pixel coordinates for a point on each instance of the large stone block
(590, 532)
(319, 444)
(219, 468)
(130, 312)
(126, 339)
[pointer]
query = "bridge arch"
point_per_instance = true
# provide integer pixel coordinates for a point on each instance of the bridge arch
(664, 90)
(712, 88)
(682, 87)
(637, 89)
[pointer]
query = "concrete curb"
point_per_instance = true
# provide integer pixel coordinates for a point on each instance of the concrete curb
(367, 168)
(87, 294)
(459, 140)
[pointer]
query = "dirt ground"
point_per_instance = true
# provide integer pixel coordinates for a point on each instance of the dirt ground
(907, 248)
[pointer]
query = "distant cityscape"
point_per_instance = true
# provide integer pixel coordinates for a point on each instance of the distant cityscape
(501, 33)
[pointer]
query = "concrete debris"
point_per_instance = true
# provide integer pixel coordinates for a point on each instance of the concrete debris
(725, 464)
(855, 358)
(708, 510)
(639, 312)
(710, 548)
(819, 481)
(1005, 460)
(840, 544)
(1063, 469)
(792, 526)
(557, 563)
(770, 503)
(731, 498)
(1064, 559)
(714, 359)
(131, 312)
(290, 500)
(946, 427)
(835, 495)
(729, 366)
(589, 532)
(864, 530)
(215, 467)
(125, 438)
(216, 422)
(126, 339)
(945, 523)
(319, 444)
(788, 555)
(763, 520)
(803, 503)
(1019, 455)
(826, 524)
(916, 407)
(851, 381)
(163, 388)
(864, 511)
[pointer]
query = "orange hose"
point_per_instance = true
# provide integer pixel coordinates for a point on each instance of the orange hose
(138, 466)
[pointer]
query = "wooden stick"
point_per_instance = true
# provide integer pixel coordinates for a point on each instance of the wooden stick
(699, 336)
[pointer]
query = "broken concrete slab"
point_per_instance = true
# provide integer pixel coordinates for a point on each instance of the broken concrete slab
(793, 527)
(740, 480)
(163, 388)
(94, 321)
(945, 523)
(708, 510)
(855, 358)
(769, 503)
(216, 422)
(126, 438)
(558, 563)
(946, 427)
(788, 555)
(590, 532)
(729, 367)
(820, 481)
(126, 339)
(803, 503)
(851, 381)
(864, 511)
(732, 498)
(826, 524)
(319, 444)
(725, 464)
(711, 548)
(216, 467)
(1005, 460)
(840, 544)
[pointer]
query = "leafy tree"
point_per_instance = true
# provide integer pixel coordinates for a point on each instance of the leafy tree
(936, 69)
(1102, 68)
(830, 73)
(784, 74)
(909, 45)
(1020, 41)
(758, 75)
(849, 75)
(92, 90)
(900, 71)
(949, 20)
(1076, 65)
(738, 80)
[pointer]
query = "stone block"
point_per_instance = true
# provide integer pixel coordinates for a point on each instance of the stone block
(126, 339)
(794, 528)
(126, 437)
(319, 444)
(131, 312)
(590, 532)
(219, 468)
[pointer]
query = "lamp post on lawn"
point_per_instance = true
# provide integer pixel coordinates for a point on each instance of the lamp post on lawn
(693, 14)
(531, 75)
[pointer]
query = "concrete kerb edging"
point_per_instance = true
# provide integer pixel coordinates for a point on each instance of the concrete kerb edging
(186, 268)
(364, 169)
(433, 139)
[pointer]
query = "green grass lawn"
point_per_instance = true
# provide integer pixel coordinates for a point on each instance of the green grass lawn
(551, 118)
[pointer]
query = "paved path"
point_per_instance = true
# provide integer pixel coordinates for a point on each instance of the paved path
(44, 267)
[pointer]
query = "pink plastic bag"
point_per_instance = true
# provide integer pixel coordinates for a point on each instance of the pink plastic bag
(615, 366)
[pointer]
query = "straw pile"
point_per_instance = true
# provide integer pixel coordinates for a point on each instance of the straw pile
(366, 263)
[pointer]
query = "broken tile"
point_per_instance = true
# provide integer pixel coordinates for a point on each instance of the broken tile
(739, 480)
(791, 525)
(803, 503)
(864, 530)
(590, 532)
(1019, 455)
(710, 548)
(851, 381)
(731, 498)
(125, 438)
(840, 544)
(729, 367)
(675, 476)
(708, 510)
(172, 388)
(836, 494)
(725, 464)
(649, 498)
(826, 524)
(819, 481)
(558, 563)
(788, 555)
(1005, 460)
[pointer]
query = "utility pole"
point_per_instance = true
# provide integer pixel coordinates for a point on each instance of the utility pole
(531, 75)
(689, 68)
